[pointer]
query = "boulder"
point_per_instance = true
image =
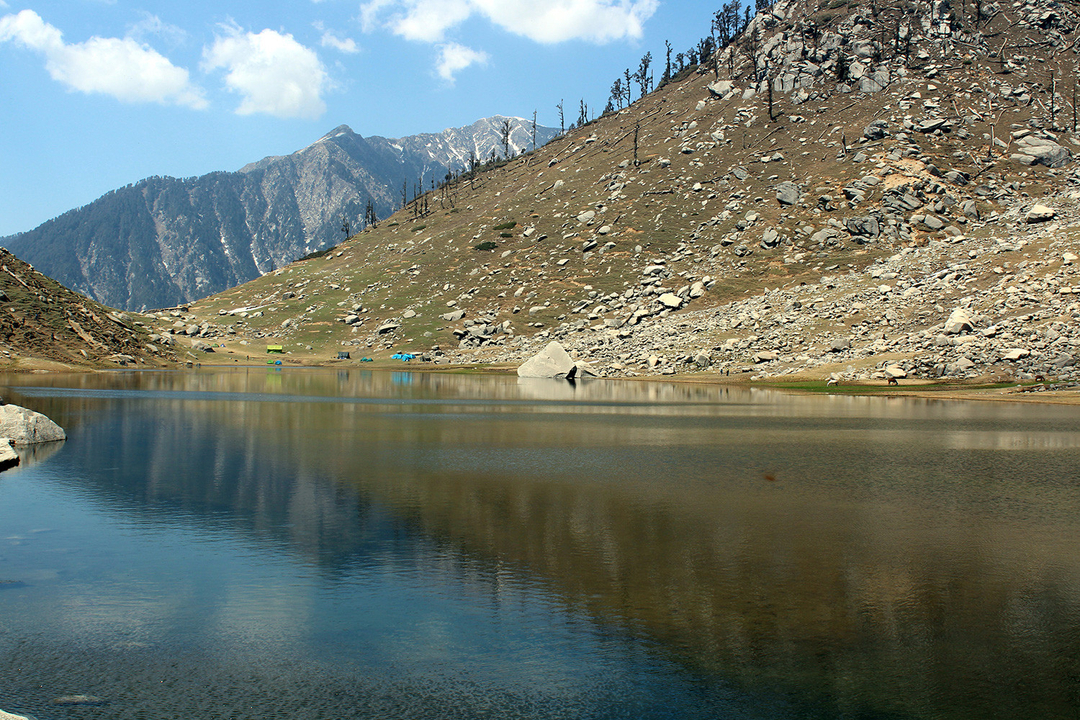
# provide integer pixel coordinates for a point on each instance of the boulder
(1045, 152)
(1016, 354)
(671, 300)
(863, 226)
(787, 193)
(959, 322)
(11, 716)
(25, 427)
(1039, 213)
(876, 130)
(895, 371)
(722, 88)
(551, 362)
(8, 459)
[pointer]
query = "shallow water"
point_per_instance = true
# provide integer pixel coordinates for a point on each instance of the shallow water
(262, 543)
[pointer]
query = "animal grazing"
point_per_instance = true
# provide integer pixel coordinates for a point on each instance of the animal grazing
(893, 381)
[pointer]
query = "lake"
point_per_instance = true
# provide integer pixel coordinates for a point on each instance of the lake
(311, 543)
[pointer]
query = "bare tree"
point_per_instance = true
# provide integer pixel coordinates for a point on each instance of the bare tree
(534, 131)
(617, 92)
(562, 119)
(643, 77)
(505, 129)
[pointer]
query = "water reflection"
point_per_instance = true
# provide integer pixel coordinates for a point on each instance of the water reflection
(853, 556)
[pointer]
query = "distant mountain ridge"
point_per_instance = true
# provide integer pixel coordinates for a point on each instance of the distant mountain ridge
(166, 241)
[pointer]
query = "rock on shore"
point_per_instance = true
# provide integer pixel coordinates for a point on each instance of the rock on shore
(10, 716)
(551, 362)
(25, 427)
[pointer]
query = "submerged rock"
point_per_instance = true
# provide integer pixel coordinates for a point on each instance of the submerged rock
(26, 427)
(551, 362)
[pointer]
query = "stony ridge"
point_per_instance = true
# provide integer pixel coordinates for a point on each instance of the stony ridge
(832, 226)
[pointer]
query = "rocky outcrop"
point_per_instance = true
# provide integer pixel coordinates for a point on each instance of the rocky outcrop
(12, 716)
(551, 362)
(23, 426)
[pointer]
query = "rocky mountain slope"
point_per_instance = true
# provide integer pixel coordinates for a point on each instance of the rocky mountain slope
(42, 323)
(853, 190)
(165, 241)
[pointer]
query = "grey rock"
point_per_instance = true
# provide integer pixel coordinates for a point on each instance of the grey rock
(25, 427)
(787, 193)
(1063, 360)
(1046, 152)
(895, 371)
(933, 222)
(453, 316)
(765, 356)
(1016, 354)
(671, 300)
(387, 327)
(551, 362)
(863, 226)
(8, 459)
(959, 322)
(12, 716)
(721, 88)
(1039, 213)
(840, 345)
(876, 130)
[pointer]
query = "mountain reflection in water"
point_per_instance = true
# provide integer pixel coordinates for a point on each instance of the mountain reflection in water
(790, 556)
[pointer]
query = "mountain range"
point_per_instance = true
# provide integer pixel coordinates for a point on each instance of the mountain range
(166, 241)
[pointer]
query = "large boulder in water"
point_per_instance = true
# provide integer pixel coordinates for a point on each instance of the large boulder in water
(10, 716)
(551, 362)
(25, 427)
(8, 459)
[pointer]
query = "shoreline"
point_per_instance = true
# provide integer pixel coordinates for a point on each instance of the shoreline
(978, 391)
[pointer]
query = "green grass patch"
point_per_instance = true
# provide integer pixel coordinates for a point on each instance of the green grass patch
(506, 226)
(486, 245)
(418, 228)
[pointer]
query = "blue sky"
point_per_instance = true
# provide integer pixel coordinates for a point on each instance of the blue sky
(101, 93)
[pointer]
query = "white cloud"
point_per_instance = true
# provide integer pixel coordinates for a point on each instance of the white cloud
(273, 73)
(454, 57)
(330, 40)
(598, 21)
(153, 25)
(122, 68)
